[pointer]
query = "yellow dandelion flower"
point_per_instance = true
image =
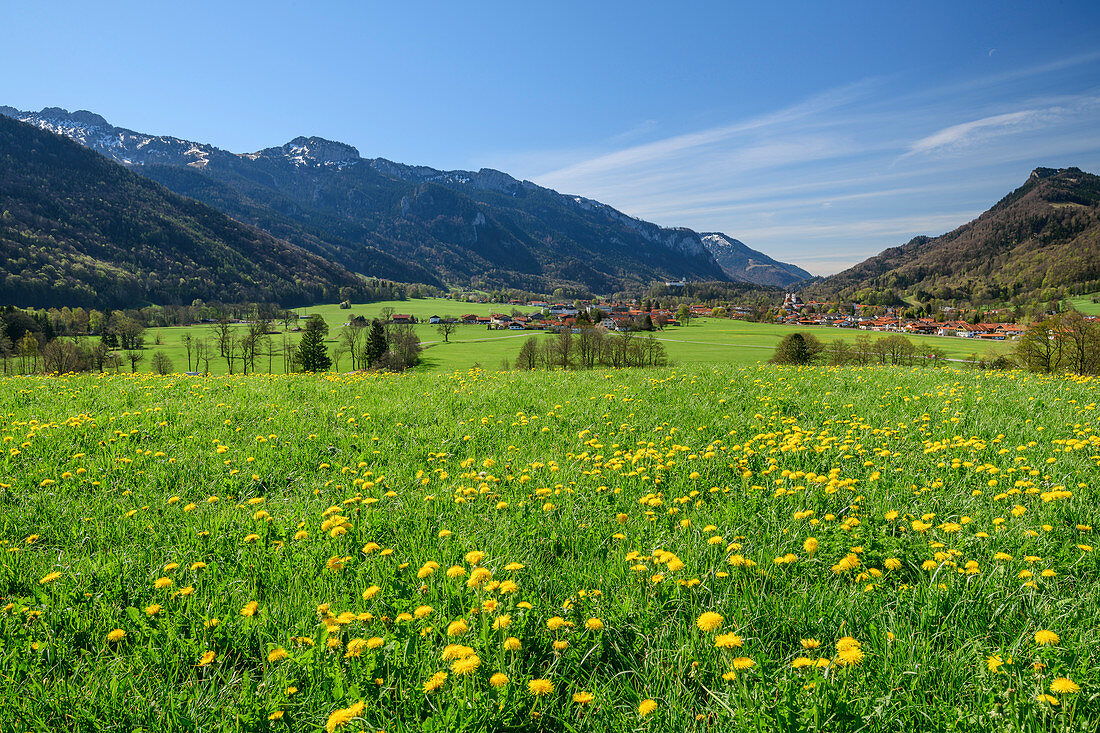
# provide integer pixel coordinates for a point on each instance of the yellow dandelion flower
(810, 643)
(342, 717)
(466, 665)
(51, 577)
(512, 644)
(116, 635)
(540, 687)
(276, 654)
(583, 698)
(555, 623)
(456, 651)
(371, 592)
(1064, 686)
(727, 641)
(206, 659)
(1044, 637)
(250, 608)
(743, 663)
(498, 680)
(647, 706)
(355, 648)
(457, 628)
(709, 621)
(593, 624)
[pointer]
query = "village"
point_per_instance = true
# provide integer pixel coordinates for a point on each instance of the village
(631, 316)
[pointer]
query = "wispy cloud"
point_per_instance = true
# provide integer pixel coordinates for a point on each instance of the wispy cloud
(970, 132)
(671, 148)
(848, 172)
(986, 128)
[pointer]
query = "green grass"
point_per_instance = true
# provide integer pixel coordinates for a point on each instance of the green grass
(1085, 304)
(951, 513)
(704, 341)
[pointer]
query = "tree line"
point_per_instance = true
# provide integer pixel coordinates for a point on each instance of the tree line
(896, 349)
(590, 347)
(1067, 342)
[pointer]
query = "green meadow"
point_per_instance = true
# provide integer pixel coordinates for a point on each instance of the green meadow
(703, 341)
(1085, 304)
(700, 548)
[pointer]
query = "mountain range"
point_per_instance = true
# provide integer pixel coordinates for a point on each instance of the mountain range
(385, 219)
(1033, 245)
(78, 229)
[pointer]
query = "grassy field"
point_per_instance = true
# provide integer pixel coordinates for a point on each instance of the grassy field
(1085, 304)
(699, 549)
(704, 341)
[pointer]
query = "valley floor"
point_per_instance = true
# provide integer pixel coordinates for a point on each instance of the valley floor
(703, 341)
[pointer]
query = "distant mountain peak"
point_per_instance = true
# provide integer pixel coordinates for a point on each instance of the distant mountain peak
(316, 151)
(1041, 237)
(745, 264)
(1043, 173)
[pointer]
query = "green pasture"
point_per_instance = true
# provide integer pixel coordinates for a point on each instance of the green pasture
(703, 341)
(1085, 304)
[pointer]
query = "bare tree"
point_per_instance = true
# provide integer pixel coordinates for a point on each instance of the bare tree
(563, 348)
(223, 337)
(528, 357)
(445, 329)
(350, 342)
(135, 357)
(188, 345)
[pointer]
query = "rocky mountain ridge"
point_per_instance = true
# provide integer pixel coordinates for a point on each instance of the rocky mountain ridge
(488, 229)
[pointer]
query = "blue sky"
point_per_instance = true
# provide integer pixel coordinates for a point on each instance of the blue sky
(820, 133)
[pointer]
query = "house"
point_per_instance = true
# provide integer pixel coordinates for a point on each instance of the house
(403, 318)
(559, 309)
(922, 326)
(469, 318)
(435, 319)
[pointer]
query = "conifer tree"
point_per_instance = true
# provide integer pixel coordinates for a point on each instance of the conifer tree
(376, 344)
(312, 353)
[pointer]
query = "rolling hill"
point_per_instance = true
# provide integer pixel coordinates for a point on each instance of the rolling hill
(1035, 243)
(413, 223)
(78, 229)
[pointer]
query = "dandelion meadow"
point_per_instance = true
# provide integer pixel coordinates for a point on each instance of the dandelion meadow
(707, 548)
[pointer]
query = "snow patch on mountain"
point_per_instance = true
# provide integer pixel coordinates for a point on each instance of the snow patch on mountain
(312, 151)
